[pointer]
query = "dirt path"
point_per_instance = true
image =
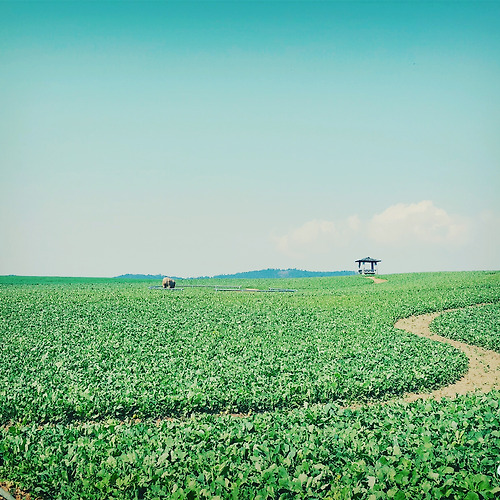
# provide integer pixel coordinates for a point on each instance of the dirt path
(484, 365)
(376, 280)
(9, 491)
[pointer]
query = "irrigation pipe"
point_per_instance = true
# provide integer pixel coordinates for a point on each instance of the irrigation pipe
(6, 494)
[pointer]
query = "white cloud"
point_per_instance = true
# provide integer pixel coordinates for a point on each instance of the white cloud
(317, 237)
(432, 239)
(418, 223)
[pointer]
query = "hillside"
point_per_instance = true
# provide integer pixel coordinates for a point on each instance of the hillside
(263, 273)
(284, 273)
(146, 276)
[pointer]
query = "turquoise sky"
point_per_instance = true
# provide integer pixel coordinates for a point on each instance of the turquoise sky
(198, 138)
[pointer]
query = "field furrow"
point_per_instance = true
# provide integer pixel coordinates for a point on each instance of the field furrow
(484, 365)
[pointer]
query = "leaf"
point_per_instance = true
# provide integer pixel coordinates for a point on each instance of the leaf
(302, 478)
(471, 495)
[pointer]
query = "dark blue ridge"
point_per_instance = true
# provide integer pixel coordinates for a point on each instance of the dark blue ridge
(263, 273)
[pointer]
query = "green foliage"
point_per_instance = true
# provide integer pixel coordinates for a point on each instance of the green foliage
(478, 326)
(83, 359)
(446, 449)
(81, 350)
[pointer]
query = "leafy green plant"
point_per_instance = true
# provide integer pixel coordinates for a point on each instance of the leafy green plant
(477, 325)
(112, 390)
(102, 350)
(426, 449)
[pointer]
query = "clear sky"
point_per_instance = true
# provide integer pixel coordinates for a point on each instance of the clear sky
(199, 138)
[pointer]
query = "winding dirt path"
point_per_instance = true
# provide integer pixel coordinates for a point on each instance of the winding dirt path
(484, 365)
(376, 280)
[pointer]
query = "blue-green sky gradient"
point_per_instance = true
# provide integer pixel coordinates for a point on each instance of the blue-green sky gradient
(198, 138)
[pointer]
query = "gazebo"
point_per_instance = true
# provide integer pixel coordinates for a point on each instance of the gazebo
(369, 265)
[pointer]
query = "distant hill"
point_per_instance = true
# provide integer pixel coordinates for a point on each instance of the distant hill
(284, 273)
(263, 273)
(146, 276)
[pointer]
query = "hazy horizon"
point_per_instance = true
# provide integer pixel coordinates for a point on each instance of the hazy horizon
(228, 275)
(204, 138)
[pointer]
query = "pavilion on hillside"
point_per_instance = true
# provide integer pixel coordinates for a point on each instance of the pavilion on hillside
(367, 265)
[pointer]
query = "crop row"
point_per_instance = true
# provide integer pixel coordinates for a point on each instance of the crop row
(94, 350)
(426, 449)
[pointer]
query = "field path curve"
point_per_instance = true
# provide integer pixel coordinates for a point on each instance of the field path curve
(376, 280)
(484, 365)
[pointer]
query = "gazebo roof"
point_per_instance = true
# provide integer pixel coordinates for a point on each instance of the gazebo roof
(368, 259)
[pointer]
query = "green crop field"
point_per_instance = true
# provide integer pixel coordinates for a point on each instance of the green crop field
(477, 326)
(110, 389)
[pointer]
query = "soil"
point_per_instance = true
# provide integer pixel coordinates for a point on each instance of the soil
(15, 492)
(376, 280)
(484, 365)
